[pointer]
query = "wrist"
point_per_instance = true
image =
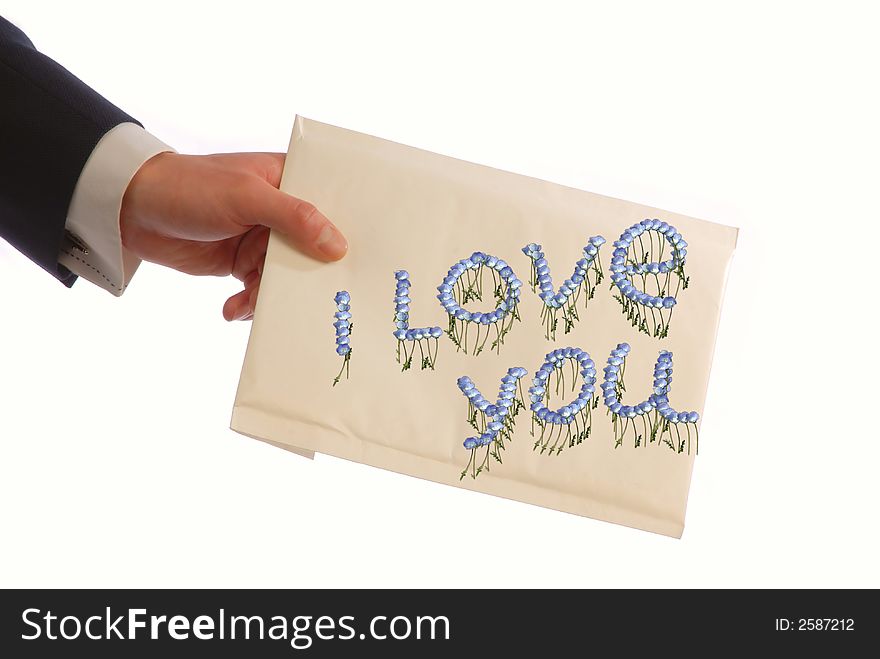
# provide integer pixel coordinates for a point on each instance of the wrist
(141, 194)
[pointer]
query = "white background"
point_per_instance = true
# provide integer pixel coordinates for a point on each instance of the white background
(117, 467)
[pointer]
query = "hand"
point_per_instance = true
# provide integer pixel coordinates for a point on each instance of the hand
(211, 215)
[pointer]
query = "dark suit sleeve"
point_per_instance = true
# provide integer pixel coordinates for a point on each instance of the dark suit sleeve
(50, 121)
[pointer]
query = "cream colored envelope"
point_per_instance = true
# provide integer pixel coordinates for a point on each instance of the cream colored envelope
(406, 209)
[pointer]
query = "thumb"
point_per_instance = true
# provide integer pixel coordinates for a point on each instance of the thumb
(305, 225)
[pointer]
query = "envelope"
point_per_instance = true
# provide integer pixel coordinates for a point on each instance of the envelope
(483, 329)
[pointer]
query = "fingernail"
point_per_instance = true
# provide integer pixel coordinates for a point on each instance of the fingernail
(331, 243)
(242, 313)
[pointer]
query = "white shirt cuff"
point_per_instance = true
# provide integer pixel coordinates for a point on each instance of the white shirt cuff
(95, 251)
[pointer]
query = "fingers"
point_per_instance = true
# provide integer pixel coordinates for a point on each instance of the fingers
(305, 225)
(241, 305)
(273, 164)
(268, 166)
(251, 253)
